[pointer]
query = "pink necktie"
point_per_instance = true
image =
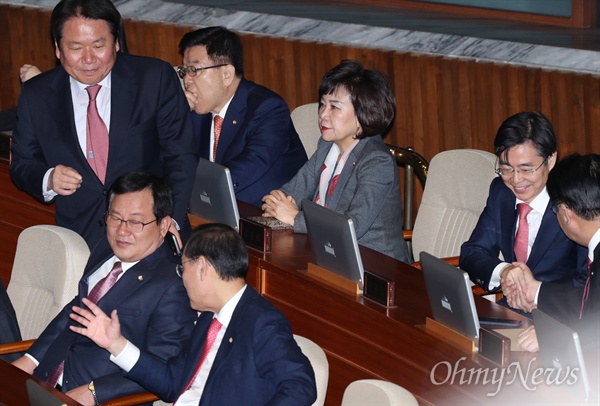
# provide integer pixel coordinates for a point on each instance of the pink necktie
(95, 295)
(217, 131)
(586, 290)
(96, 134)
(522, 237)
(211, 336)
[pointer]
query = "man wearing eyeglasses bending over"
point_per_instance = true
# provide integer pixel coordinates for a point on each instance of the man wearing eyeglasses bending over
(131, 270)
(518, 223)
(238, 123)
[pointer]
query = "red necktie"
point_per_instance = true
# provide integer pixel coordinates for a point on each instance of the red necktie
(586, 290)
(522, 237)
(95, 295)
(96, 134)
(217, 131)
(211, 336)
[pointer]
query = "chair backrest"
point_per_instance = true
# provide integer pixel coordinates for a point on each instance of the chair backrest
(48, 265)
(455, 194)
(306, 123)
(376, 392)
(318, 360)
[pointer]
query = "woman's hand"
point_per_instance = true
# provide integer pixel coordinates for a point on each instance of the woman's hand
(282, 207)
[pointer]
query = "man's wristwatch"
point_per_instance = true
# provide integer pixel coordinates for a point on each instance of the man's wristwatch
(93, 390)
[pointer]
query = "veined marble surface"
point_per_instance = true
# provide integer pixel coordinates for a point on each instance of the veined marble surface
(532, 55)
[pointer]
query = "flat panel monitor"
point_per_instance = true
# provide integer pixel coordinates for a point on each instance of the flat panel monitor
(560, 350)
(450, 296)
(333, 241)
(213, 197)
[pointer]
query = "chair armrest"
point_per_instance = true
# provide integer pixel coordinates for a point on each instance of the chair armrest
(407, 235)
(135, 399)
(17, 346)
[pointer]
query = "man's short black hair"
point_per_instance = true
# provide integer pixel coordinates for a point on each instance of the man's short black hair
(222, 246)
(222, 46)
(575, 182)
(89, 9)
(525, 127)
(162, 195)
(370, 93)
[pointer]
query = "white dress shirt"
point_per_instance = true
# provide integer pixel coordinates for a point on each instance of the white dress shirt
(212, 128)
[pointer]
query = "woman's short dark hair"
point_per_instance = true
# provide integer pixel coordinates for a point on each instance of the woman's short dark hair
(222, 246)
(162, 195)
(370, 94)
(525, 127)
(222, 46)
(89, 9)
(575, 182)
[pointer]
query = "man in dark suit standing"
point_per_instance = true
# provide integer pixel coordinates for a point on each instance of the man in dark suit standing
(100, 114)
(241, 351)
(574, 189)
(238, 123)
(133, 270)
(518, 222)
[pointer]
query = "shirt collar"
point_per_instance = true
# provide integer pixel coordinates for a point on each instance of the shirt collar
(224, 316)
(539, 203)
(78, 87)
(592, 245)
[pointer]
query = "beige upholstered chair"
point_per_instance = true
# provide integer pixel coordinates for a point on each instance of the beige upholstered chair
(377, 393)
(455, 194)
(306, 123)
(48, 265)
(318, 360)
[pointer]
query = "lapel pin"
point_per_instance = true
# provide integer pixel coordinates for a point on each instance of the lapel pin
(140, 278)
(230, 340)
(234, 122)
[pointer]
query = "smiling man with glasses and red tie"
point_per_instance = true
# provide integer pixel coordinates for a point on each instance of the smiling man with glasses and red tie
(518, 224)
(131, 270)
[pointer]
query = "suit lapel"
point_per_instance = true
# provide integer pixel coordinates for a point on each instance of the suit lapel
(201, 125)
(60, 104)
(353, 158)
(234, 119)
(508, 224)
(545, 237)
(124, 88)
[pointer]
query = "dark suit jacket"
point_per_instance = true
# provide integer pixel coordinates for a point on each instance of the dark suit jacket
(368, 190)
(563, 302)
(9, 328)
(258, 362)
(553, 256)
(258, 142)
(150, 130)
(154, 313)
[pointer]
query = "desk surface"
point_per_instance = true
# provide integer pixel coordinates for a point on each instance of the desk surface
(13, 389)
(364, 340)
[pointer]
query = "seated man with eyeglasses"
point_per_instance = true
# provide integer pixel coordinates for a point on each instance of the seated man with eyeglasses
(239, 124)
(132, 270)
(518, 223)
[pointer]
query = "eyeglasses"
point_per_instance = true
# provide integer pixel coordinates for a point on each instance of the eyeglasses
(508, 171)
(179, 267)
(134, 226)
(193, 71)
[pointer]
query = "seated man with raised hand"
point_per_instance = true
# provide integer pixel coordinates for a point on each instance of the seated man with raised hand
(132, 270)
(240, 124)
(518, 223)
(241, 351)
(574, 189)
